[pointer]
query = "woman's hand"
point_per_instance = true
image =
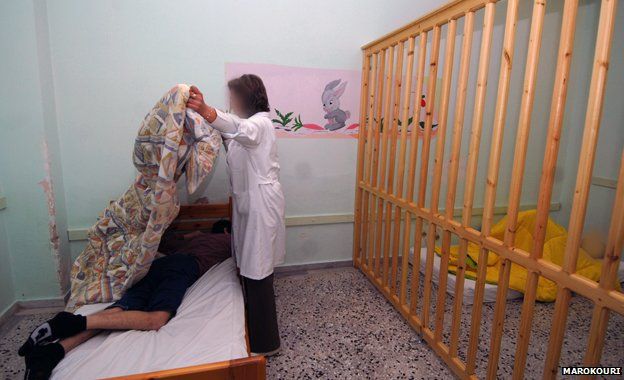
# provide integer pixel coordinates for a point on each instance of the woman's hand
(196, 103)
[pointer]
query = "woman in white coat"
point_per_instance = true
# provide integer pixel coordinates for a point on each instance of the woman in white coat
(258, 215)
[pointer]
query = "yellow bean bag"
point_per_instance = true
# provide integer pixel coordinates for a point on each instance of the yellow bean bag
(554, 248)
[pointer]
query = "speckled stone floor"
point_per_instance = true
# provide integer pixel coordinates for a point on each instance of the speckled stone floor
(336, 325)
(12, 335)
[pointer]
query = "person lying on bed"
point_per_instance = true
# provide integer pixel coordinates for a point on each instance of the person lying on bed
(148, 305)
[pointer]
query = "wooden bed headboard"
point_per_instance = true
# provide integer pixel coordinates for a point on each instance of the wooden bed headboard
(201, 216)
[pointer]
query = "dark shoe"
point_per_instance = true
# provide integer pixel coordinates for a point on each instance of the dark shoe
(63, 325)
(41, 361)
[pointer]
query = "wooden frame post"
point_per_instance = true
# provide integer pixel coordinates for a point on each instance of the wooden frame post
(460, 109)
(424, 166)
(420, 74)
(357, 226)
(564, 59)
(513, 208)
(583, 178)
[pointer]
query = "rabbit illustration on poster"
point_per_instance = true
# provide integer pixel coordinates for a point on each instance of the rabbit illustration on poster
(336, 117)
(308, 102)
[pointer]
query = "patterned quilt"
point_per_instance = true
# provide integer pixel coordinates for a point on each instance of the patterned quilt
(123, 242)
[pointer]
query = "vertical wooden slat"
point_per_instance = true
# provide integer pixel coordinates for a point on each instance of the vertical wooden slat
(375, 117)
(424, 164)
(357, 246)
(392, 124)
(615, 243)
(583, 179)
(564, 59)
(367, 159)
(368, 119)
(477, 119)
(608, 276)
(460, 109)
(500, 113)
(401, 161)
(420, 73)
(383, 162)
(401, 178)
(590, 135)
(522, 141)
(416, 108)
(447, 74)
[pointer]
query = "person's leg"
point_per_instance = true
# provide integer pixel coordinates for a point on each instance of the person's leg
(261, 315)
(160, 293)
(169, 279)
(76, 340)
(65, 325)
(41, 359)
(128, 320)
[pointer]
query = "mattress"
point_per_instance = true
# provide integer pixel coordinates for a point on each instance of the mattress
(489, 295)
(208, 327)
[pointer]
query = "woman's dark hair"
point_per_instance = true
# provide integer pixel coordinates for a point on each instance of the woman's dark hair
(250, 89)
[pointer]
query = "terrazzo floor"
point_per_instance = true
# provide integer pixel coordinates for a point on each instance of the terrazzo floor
(336, 325)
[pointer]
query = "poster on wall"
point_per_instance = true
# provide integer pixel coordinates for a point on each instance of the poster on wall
(424, 98)
(307, 102)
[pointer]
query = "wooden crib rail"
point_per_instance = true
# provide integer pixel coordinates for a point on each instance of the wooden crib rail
(452, 11)
(401, 173)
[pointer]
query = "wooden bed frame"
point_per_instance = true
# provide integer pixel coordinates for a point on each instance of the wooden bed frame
(388, 203)
(193, 218)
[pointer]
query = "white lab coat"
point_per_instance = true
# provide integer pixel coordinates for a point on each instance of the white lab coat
(258, 229)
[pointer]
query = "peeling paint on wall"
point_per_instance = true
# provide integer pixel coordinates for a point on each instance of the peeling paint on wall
(55, 243)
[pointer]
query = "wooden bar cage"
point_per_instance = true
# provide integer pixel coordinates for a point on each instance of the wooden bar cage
(400, 174)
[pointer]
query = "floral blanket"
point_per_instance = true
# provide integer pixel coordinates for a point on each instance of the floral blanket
(122, 244)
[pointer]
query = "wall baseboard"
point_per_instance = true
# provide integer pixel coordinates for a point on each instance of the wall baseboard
(604, 182)
(8, 313)
(30, 305)
(41, 303)
(78, 234)
(286, 270)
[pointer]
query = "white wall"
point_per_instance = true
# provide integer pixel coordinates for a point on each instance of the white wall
(90, 70)
(26, 124)
(112, 60)
(611, 137)
(7, 294)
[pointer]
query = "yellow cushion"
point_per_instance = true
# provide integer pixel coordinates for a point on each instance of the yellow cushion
(554, 249)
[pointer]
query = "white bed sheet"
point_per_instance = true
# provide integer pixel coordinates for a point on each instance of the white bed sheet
(208, 327)
(469, 285)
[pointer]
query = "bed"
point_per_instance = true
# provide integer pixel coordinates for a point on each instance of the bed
(205, 340)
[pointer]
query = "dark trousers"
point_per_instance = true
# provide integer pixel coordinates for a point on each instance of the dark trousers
(261, 314)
